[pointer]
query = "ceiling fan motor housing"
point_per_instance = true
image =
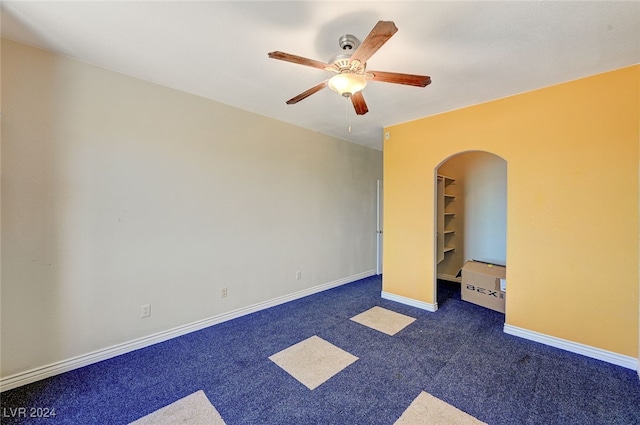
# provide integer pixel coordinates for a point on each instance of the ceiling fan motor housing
(342, 60)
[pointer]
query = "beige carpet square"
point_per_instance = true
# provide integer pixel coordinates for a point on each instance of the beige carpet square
(194, 409)
(313, 361)
(427, 409)
(383, 320)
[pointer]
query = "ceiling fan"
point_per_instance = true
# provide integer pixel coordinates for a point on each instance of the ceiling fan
(350, 67)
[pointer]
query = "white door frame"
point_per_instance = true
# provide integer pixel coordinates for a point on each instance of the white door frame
(379, 223)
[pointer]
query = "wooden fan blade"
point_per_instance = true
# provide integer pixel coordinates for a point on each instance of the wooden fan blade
(297, 59)
(307, 93)
(397, 78)
(359, 104)
(376, 38)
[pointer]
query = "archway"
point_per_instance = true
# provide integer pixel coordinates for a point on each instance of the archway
(471, 213)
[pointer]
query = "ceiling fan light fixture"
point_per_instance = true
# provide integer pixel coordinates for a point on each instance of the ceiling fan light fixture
(350, 67)
(347, 84)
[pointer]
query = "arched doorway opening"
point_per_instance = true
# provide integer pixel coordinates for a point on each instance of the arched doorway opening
(471, 214)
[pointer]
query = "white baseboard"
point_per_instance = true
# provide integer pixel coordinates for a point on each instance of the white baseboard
(574, 347)
(409, 301)
(33, 375)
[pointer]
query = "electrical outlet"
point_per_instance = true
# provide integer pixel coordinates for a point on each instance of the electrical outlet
(298, 275)
(223, 293)
(145, 311)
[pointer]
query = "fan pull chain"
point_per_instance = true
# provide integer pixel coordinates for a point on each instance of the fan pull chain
(346, 111)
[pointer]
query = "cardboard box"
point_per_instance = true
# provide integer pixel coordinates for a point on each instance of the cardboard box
(481, 284)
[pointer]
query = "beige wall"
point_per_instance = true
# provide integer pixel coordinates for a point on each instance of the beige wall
(572, 205)
(117, 193)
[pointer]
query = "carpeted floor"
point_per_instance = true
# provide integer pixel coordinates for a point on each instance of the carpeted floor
(459, 355)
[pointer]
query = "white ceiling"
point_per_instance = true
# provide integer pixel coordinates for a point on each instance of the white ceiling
(473, 51)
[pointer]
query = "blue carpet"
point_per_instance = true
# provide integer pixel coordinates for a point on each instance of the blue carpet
(458, 354)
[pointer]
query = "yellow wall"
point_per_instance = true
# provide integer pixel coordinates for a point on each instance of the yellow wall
(572, 201)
